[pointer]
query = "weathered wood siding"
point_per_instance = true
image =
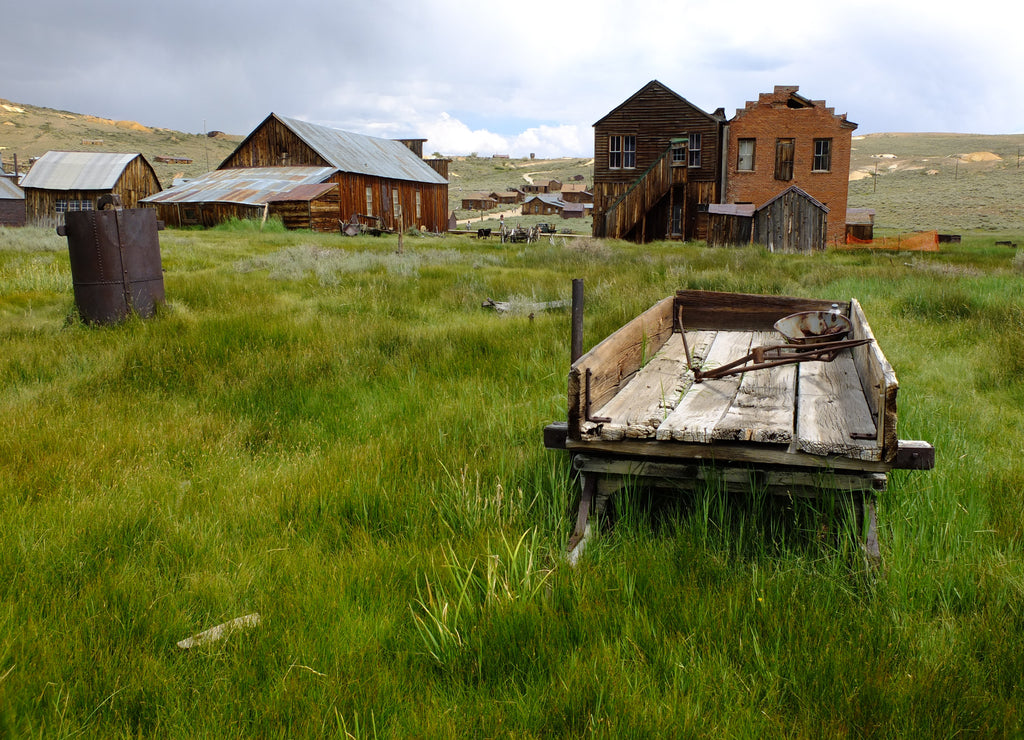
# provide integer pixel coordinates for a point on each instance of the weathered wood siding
(12, 212)
(655, 116)
(136, 181)
(317, 214)
(729, 230)
(791, 223)
(268, 146)
(204, 214)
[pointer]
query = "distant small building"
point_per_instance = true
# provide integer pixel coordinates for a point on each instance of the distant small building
(74, 181)
(543, 205)
(860, 224)
(574, 210)
(542, 186)
(12, 202)
(576, 192)
(508, 197)
(166, 159)
(478, 202)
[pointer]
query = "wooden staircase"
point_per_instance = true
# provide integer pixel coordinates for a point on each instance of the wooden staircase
(630, 208)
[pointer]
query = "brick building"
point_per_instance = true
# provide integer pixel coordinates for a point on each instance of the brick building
(784, 140)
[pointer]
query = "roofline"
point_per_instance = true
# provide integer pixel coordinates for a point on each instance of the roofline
(665, 87)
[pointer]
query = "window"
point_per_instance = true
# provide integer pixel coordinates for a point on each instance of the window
(395, 205)
(65, 205)
(419, 206)
(822, 155)
(621, 152)
(745, 155)
(369, 200)
(628, 152)
(678, 153)
(694, 150)
(784, 149)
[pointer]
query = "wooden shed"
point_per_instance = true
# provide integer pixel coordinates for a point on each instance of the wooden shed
(383, 180)
(74, 181)
(860, 224)
(730, 224)
(12, 202)
(299, 195)
(792, 221)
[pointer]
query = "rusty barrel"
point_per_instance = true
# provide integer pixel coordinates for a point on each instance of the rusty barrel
(115, 263)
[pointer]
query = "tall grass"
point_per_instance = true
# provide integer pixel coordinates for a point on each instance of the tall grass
(339, 437)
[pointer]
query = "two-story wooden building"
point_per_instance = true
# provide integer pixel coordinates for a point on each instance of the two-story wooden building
(783, 140)
(657, 166)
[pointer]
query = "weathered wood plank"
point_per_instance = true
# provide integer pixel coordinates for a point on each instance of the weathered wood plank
(613, 361)
(878, 381)
(833, 417)
(741, 311)
(639, 408)
(695, 417)
(738, 479)
(763, 408)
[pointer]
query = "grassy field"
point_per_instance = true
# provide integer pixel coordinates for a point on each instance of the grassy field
(335, 435)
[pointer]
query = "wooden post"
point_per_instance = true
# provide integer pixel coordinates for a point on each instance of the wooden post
(576, 350)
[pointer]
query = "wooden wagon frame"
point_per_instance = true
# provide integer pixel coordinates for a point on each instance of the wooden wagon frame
(797, 429)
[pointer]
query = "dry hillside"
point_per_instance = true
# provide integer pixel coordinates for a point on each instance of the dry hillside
(27, 131)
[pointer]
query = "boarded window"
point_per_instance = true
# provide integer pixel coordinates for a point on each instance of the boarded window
(678, 153)
(822, 155)
(784, 149)
(745, 155)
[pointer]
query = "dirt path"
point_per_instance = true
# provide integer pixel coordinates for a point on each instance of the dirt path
(490, 216)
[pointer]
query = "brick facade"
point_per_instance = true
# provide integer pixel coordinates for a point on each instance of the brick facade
(783, 114)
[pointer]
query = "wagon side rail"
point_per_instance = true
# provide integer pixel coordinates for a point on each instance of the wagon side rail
(598, 375)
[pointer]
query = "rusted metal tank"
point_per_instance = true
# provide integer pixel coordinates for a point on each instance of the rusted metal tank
(115, 263)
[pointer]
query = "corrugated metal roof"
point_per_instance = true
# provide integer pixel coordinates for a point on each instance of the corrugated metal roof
(365, 155)
(77, 170)
(252, 186)
(304, 192)
(9, 189)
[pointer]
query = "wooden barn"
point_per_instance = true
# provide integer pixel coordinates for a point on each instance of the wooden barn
(656, 167)
(74, 181)
(792, 221)
(730, 224)
(383, 182)
(12, 202)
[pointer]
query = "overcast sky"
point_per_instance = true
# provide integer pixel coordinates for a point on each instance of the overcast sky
(510, 77)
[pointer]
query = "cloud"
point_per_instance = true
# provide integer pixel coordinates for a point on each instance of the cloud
(495, 78)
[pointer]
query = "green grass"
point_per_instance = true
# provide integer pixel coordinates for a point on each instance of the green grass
(335, 434)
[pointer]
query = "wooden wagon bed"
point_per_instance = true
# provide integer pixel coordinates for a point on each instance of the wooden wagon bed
(634, 408)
